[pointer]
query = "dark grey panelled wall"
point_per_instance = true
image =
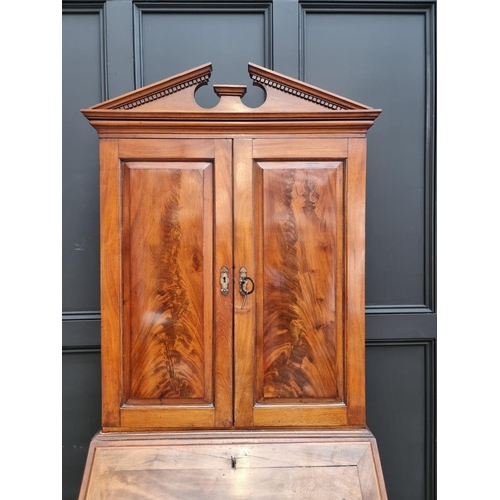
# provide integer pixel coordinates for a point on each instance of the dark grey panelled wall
(379, 53)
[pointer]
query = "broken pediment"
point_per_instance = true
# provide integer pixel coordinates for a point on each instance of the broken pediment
(172, 94)
(170, 104)
(177, 93)
(285, 91)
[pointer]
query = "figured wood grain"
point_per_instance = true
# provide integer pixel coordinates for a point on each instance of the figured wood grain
(301, 358)
(185, 191)
(234, 465)
(169, 339)
(300, 331)
(169, 260)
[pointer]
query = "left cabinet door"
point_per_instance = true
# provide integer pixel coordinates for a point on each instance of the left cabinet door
(166, 326)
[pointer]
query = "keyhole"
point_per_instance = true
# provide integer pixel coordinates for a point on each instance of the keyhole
(233, 462)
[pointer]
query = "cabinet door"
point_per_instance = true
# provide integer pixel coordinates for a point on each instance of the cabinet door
(167, 328)
(299, 233)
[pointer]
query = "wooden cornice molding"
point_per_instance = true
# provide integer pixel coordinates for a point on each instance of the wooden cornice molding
(169, 105)
(267, 82)
(272, 80)
(194, 77)
(198, 81)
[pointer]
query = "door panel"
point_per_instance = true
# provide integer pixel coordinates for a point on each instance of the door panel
(294, 202)
(176, 325)
(167, 260)
(301, 238)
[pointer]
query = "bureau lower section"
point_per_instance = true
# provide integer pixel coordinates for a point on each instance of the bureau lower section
(338, 465)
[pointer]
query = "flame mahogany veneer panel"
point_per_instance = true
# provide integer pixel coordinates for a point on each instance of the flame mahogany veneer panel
(168, 216)
(302, 306)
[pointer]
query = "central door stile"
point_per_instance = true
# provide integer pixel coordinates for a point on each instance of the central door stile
(223, 302)
(244, 318)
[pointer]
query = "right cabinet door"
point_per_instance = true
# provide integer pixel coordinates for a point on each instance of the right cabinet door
(299, 206)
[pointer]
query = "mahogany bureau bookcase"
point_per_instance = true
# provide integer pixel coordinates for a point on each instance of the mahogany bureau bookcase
(232, 294)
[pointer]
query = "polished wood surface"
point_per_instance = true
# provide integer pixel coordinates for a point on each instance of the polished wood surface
(300, 331)
(328, 465)
(297, 211)
(300, 258)
(279, 193)
(169, 106)
(355, 281)
(168, 257)
(172, 326)
(284, 95)
(244, 318)
(111, 283)
(223, 304)
(293, 147)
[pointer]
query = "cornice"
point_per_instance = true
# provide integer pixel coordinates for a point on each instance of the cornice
(200, 80)
(294, 91)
